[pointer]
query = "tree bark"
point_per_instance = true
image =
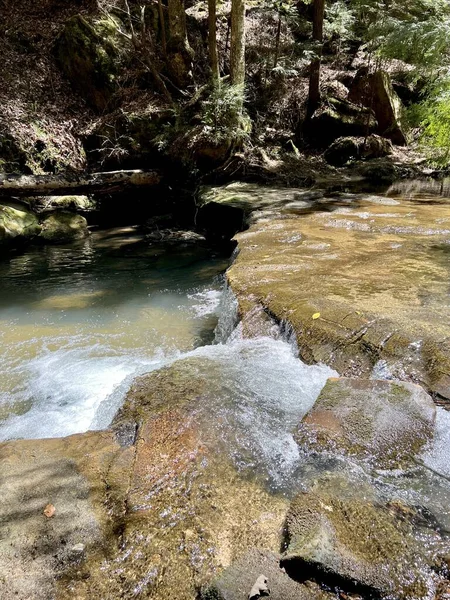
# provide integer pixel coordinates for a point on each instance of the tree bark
(179, 53)
(162, 24)
(60, 185)
(212, 42)
(277, 41)
(314, 77)
(237, 46)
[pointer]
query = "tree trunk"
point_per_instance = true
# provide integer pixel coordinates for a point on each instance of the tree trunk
(60, 185)
(179, 53)
(314, 77)
(237, 47)
(277, 41)
(162, 25)
(212, 42)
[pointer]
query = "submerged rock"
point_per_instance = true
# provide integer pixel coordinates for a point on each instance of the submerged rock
(17, 225)
(238, 580)
(358, 545)
(386, 422)
(63, 226)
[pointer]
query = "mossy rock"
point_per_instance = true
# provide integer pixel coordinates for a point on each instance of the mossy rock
(357, 545)
(68, 203)
(13, 158)
(385, 422)
(375, 90)
(88, 55)
(339, 118)
(62, 226)
(17, 225)
(355, 148)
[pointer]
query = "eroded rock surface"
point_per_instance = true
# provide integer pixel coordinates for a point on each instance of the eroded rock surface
(361, 279)
(157, 511)
(385, 422)
(238, 580)
(355, 543)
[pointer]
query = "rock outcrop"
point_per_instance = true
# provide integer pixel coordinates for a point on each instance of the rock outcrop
(88, 55)
(340, 118)
(156, 510)
(375, 91)
(384, 422)
(357, 287)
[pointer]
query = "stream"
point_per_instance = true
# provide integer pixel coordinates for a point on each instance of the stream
(79, 322)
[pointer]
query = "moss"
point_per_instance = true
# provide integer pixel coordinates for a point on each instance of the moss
(61, 226)
(359, 542)
(88, 54)
(17, 225)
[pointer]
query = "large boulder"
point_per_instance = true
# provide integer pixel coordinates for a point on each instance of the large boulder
(375, 90)
(385, 422)
(63, 226)
(353, 148)
(17, 224)
(358, 545)
(88, 53)
(339, 118)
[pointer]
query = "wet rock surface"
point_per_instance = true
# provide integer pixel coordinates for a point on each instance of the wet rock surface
(385, 422)
(238, 580)
(361, 279)
(352, 542)
(157, 518)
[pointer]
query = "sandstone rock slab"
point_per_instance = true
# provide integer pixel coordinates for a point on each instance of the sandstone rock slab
(385, 422)
(357, 545)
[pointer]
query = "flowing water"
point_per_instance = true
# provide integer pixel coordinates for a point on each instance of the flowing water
(79, 322)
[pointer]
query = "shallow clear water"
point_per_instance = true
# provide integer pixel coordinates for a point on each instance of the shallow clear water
(78, 322)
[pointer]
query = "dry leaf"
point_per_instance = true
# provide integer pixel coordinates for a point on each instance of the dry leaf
(316, 315)
(49, 511)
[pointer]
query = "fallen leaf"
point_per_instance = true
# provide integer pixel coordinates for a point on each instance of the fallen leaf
(49, 511)
(316, 315)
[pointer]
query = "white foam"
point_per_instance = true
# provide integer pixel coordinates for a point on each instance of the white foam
(437, 456)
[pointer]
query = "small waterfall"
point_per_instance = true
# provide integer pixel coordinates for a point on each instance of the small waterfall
(228, 316)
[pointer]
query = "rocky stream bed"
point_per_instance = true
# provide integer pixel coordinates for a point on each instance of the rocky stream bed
(304, 445)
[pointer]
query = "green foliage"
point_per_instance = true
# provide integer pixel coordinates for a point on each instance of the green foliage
(339, 20)
(433, 116)
(221, 114)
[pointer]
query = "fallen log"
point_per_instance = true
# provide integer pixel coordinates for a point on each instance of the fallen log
(87, 183)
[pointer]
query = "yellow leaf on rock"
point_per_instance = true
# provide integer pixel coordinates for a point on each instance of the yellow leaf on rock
(316, 315)
(49, 511)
